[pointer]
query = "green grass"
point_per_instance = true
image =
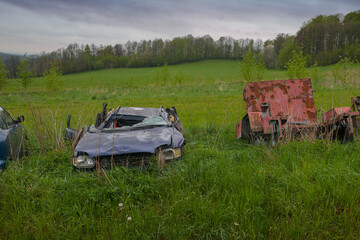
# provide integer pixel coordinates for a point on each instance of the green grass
(222, 188)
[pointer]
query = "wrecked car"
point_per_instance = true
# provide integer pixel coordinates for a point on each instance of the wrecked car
(12, 137)
(127, 136)
(285, 109)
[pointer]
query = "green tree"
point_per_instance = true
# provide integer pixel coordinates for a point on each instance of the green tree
(296, 67)
(252, 68)
(25, 75)
(278, 42)
(326, 38)
(3, 75)
(52, 79)
(285, 53)
(269, 55)
(352, 17)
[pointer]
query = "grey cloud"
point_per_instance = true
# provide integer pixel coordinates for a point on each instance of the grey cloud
(161, 13)
(118, 21)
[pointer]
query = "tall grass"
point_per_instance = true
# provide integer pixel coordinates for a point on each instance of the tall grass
(298, 190)
(47, 125)
(221, 189)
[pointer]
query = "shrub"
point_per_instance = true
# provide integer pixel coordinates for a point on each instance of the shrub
(252, 68)
(296, 67)
(52, 79)
(24, 73)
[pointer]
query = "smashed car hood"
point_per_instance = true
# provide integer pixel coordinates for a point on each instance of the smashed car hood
(107, 143)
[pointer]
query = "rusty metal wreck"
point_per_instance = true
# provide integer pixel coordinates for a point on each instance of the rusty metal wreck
(285, 108)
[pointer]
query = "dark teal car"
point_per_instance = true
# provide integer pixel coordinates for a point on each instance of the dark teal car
(12, 137)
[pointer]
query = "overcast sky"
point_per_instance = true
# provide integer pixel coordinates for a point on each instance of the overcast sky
(33, 26)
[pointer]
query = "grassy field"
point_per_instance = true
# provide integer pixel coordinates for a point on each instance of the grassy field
(221, 189)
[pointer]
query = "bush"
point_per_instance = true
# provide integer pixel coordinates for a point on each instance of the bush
(25, 75)
(353, 51)
(122, 61)
(52, 79)
(286, 51)
(98, 65)
(252, 68)
(296, 67)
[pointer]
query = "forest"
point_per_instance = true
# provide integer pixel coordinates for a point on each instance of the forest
(323, 40)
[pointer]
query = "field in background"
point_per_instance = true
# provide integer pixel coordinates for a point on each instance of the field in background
(222, 188)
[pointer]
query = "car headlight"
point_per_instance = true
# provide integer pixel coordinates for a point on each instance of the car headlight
(83, 161)
(171, 153)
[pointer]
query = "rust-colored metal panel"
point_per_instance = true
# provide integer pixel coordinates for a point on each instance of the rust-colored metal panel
(335, 114)
(256, 123)
(290, 100)
(286, 107)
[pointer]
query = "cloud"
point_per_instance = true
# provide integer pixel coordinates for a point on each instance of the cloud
(38, 25)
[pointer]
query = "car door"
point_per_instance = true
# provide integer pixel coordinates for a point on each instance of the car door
(4, 144)
(15, 134)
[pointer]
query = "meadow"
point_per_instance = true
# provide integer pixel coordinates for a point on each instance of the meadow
(222, 188)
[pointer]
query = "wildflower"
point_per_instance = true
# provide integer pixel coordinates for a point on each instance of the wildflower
(120, 205)
(129, 218)
(236, 224)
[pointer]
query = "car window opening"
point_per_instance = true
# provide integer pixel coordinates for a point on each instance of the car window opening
(129, 122)
(119, 121)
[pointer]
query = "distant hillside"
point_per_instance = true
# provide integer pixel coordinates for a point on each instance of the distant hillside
(5, 56)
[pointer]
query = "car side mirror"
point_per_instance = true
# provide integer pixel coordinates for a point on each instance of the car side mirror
(20, 119)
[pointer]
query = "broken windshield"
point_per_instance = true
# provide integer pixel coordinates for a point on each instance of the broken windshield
(152, 121)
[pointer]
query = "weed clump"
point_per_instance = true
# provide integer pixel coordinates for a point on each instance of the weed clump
(52, 79)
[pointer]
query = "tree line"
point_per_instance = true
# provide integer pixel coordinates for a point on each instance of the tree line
(323, 40)
(327, 39)
(136, 54)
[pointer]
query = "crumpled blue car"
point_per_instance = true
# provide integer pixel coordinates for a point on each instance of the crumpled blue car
(12, 137)
(128, 136)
